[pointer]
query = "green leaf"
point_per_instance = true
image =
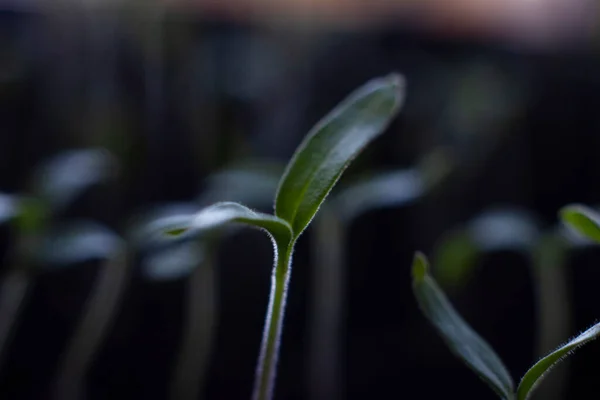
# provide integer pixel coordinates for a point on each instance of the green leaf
(534, 376)
(387, 189)
(583, 219)
(78, 242)
(217, 216)
(331, 145)
(505, 228)
(462, 340)
(61, 179)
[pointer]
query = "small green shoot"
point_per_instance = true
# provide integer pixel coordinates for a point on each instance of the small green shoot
(582, 219)
(463, 341)
(472, 349)
(314, 169)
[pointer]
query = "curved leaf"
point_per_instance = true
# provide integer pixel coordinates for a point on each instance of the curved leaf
(582, 219)
(504, 228)
(64, 177)
(388, 189)
(217, 216)
(462, 340)
(534, 376)
(78, 242)
(331, 145)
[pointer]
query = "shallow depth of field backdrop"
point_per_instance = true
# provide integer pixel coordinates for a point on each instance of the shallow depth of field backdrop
(177, 90)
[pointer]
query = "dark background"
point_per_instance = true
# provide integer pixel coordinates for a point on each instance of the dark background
(522, 124)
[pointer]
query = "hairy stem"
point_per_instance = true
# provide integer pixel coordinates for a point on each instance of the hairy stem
(324, 375)
(97, 318)
(264, 383)
(12, 295)
(190, 373)
(554, 320)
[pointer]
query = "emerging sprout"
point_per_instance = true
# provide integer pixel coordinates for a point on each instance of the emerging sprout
(314, 169)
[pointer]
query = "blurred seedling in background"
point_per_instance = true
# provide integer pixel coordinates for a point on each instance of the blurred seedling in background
(253, 184)
(42, 244)
(391, 189)
(467, 345)
(314, 169)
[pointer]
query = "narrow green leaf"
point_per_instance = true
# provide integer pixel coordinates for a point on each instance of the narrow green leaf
(217, 216)
(534, 376)
(331, 145)
(462, 340)
(583, 219)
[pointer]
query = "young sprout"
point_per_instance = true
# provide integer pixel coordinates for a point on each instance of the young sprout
(515, 229)
(252, 184)
(313, 170)
(474, 351)
(385, 189)
(56, 184)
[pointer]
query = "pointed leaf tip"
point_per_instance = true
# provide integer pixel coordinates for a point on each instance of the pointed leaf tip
(332, 144)
(420, 266)
(582, 219)
(461, 339)
(534, 376)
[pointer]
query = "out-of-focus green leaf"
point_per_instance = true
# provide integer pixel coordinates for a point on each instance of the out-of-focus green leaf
(63, 178)
(390, 189)
(455, 259)
(504, 228)
(582, 219)
(175, 262)
(536, 373)
(331, 145)
(462, 340)
(78, 242)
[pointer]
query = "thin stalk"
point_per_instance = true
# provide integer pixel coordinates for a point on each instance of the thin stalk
(324, 375)
(266, 369)
(190, 373)
(97, 319)
(13, 292)
(554, 320)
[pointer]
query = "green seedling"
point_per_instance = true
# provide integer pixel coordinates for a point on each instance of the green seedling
(314, 169)
(517, 230)
(473, 350)
(393, 189)
(55, 186)
(252, 184)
